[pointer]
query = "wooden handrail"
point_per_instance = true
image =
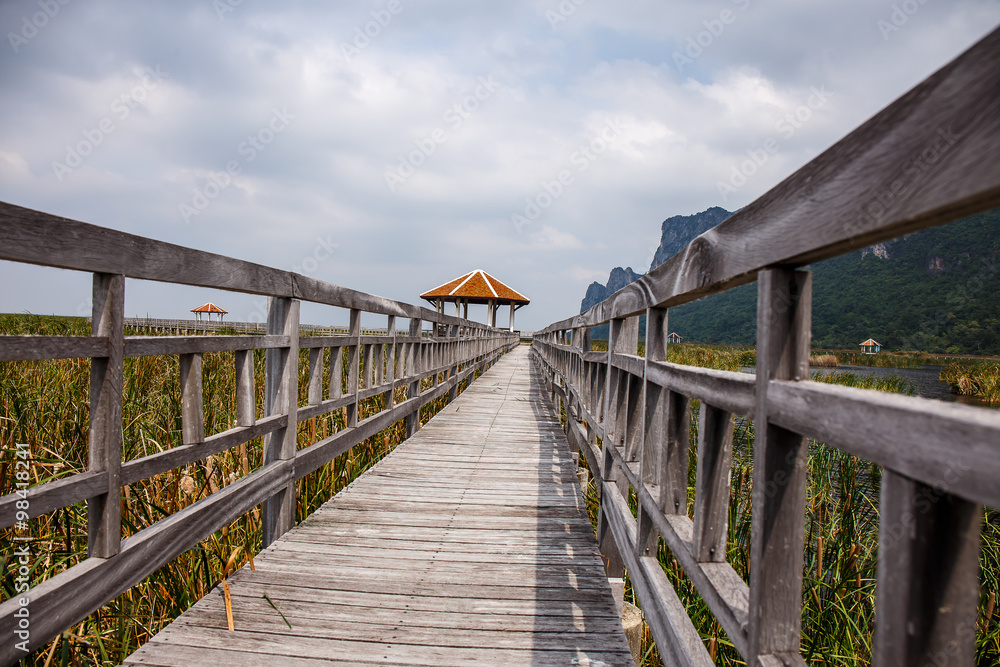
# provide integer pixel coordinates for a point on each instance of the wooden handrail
(629, 416)
(392, 359)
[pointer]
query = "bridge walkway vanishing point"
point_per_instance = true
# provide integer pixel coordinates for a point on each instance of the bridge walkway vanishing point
(468, 544)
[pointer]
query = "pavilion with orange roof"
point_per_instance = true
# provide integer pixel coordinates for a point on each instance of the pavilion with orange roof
(208, 308)
(477, 287)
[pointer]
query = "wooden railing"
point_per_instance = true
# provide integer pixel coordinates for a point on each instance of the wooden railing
(32, 618)
(160, 325)
(928, 158)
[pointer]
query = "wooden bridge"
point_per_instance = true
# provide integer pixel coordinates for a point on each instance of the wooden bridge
(469, 544)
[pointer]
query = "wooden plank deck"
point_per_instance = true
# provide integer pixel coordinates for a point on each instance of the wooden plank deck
(469, 544)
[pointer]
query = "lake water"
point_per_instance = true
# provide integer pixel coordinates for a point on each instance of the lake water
(925, 379)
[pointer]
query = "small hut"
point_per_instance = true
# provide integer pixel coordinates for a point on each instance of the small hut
(477, 287)
(673, 337)
(870, 346)
(209, 309)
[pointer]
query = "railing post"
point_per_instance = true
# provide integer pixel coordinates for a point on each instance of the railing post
(784, 312)
(453, 358)
(623, 336)
(654, 418)
(104, 521)
(246, 395)
(281, 391)
(390, 362)
(412, 368)
(927, 590)
(353, 352)
(192, 403)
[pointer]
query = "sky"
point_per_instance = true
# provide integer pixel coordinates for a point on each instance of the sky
(393, 145)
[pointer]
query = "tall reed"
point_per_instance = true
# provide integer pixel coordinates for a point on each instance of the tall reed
(974, 379)
(45, 404)
(841, 541)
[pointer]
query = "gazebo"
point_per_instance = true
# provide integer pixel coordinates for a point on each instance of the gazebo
(870, 346)
(208, 308)
(476, 287)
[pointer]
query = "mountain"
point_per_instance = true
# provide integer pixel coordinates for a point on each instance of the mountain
(937, 290)
(679, 230)
(597, 292)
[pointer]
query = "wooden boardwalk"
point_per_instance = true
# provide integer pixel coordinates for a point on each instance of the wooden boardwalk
(469, 544)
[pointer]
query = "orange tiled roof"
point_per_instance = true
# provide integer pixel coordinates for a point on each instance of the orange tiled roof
(475, 285)
(871, 341)
(208, 308)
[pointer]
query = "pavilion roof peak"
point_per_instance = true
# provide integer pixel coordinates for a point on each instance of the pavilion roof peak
(477, 287)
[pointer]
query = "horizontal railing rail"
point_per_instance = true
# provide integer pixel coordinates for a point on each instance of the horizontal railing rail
(376, 362)
(252, 328)
(629, 415)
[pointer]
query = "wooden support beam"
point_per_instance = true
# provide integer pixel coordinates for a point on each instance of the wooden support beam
(711, 499)
(246, 394)
(353, 353)
(413, 368)
(281, 382)
(784, 311)
(928, 576)
(105, 437)
(192, 403)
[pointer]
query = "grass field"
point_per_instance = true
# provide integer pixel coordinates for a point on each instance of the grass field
(45, 404)
(841, 544)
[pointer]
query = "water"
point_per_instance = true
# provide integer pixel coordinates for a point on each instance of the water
(925, 379)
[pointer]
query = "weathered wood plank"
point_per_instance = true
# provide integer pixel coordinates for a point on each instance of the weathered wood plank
(50, 496)
(733, 392)
(192, 403)
(928, 576)
(281, 382)
(711, 500)
(784, 320)
(155, 464)
(946, 445)
(147, 346)
(105, 435)
(464, 545)
(23, 348)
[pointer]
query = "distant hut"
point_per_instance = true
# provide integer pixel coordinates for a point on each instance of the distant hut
(870, 346)
(674, 337)
(209, 308)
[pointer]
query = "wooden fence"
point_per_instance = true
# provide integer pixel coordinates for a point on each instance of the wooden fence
(375, 365)
(928, 158)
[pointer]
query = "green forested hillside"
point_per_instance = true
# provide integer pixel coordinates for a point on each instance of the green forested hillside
(937, 290)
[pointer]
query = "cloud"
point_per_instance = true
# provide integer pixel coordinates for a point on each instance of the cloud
(550, 238)
(412, 86)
